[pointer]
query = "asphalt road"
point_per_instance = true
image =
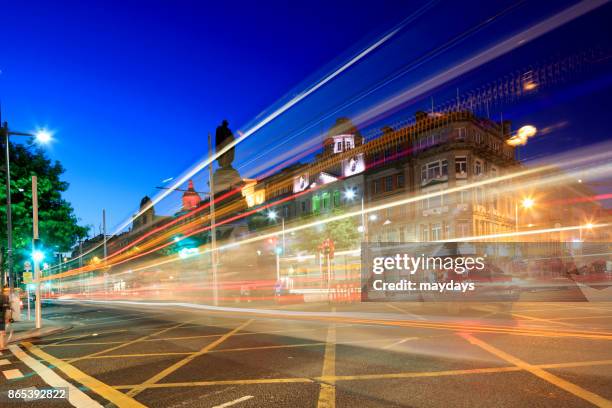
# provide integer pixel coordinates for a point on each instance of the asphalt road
(382, 355)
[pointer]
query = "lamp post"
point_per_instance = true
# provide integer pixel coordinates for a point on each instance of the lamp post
(37, 255)
(272, 216)
(213, 230)
(42, 136)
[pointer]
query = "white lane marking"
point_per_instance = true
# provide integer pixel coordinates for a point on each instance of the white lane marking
(76, 397)
(12, 374)
(234, 402)
(405, 312)
(399, 342)
(4, 361)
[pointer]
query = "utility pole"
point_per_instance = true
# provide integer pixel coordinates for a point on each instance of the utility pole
(9, 214)
(104, 253)
(38, 311)
(213, 229)
(104, 231)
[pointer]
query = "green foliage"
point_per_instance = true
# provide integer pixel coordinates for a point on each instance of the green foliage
(58, 226)
(343, 232)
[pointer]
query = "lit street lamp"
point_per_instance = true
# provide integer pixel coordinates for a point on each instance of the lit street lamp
(588, 226)
(526, 203)
(272, 216)
(42, 136)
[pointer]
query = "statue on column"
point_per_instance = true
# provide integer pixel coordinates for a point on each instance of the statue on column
(223, 137)
(225, 176)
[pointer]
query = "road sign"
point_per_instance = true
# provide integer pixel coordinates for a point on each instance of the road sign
(27, 277)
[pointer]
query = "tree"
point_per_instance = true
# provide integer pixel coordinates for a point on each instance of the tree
(58, 226)
(343, 232)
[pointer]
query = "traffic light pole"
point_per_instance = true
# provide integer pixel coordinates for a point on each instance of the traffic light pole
(38, 311)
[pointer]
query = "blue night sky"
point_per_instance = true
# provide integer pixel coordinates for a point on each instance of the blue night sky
(133, 87)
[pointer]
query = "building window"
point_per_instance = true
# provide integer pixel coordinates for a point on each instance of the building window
(436, 170)
(336, 198)
(303, 206)
(389, 183)
(338, 147)
(480, 195)
(478, 137)
(388, 154)
(348, 143)
(461, 166)
(326, 201)
(493, 171)
(376, 184)
(316, 203)
(400, 181)
(436, 232)
(424, 233)
(463, 230)
(464, 196)
(461, 133)
(477, 168)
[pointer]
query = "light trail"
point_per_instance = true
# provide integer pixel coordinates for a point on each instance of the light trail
(599, 153)
(370, 318)
(390, 78)
(467, 65)
(339, 217)
(482, 58)
(276, 113)
(282, 109)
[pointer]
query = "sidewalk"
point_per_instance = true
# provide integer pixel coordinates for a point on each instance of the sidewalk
(25, 330)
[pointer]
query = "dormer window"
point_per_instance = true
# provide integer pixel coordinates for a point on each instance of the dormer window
(343, 143)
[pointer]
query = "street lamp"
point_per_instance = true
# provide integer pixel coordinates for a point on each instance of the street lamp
(42, 136)
(526, 203)
(349, 194)
(522, 135)
(272, 216)
(588, 226)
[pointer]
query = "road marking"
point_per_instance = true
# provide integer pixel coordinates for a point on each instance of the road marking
(370, 376)
(127, 343)
(348, 318)
(76, 397)
(12, 374)
(4, 361)
(397, 343)
(221, 382)
(405, 311)
(327, 394)
(105, 391)
(62, 344)
(234, 402)
(169, 370)
(539, 372)
(583, 317)
(229, 350)
(80, 335)
(539, 319)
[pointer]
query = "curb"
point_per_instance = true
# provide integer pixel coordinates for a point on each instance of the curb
(28, 336)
